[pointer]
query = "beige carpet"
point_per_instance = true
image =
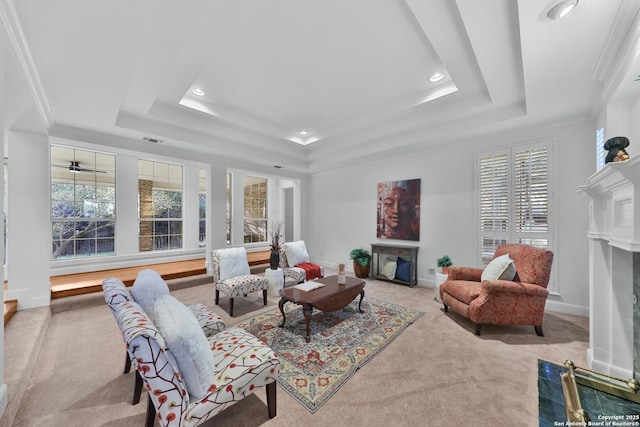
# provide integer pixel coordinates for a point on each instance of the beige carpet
(436, 373)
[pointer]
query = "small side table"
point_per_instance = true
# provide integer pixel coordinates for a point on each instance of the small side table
(276, 280)
(440, 279)
(379, 251)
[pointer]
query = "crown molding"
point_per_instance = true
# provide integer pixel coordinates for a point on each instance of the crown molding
(11, 22)
(619, 48)
(634, 96)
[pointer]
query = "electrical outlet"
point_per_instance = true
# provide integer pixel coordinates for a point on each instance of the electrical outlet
(432, 271)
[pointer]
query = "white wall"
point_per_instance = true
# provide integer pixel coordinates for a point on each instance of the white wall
(342, 207)
(29, 232)
(3, 385)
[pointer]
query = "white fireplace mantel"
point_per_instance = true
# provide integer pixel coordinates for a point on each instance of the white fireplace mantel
(614, 235)
(615, 204)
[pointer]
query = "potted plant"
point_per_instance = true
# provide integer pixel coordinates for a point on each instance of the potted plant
(444, 262)
(274, 258)
(361, 259)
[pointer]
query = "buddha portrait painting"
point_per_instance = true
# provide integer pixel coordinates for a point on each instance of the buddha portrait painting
(399, 210)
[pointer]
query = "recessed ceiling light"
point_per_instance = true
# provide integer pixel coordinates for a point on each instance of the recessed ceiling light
(198, 91)
(303, 132)
(560, 9)
(436, 77)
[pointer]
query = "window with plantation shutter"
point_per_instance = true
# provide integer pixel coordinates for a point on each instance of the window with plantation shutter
(600, 149)
(515, 198)
(494, 203)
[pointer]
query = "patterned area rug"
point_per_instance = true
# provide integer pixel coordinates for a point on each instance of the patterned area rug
(341, 342)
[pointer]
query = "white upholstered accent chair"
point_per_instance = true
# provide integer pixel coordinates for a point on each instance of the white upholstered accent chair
(180, 393)
(295, 264)
(115, 293)
(231, 275)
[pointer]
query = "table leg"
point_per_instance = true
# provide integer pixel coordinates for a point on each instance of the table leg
(281, 306)
(360, 304)
(307, 310)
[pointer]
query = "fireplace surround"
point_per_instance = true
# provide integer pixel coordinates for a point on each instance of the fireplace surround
(614, 268)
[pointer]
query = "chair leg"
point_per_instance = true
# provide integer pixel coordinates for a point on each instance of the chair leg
(217, 297)
(446, 308)
(539, 330)
(231, 307)
(137, 389)
(151, 413)
(478, 327)
(271, 399)
(264, 296)
(127, 362)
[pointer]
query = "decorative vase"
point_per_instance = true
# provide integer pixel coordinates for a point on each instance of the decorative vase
(342, 275)
(361, 271)
(274, 259)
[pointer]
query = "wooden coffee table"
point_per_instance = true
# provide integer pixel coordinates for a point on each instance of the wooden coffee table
(330, 297)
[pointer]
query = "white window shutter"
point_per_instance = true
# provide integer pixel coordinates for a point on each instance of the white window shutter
(515, 198)
(494, 203)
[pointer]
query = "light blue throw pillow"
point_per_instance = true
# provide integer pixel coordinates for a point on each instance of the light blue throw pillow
(147, 288)
(187, 343)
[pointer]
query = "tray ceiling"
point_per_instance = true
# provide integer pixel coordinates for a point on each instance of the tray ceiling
(353, 74)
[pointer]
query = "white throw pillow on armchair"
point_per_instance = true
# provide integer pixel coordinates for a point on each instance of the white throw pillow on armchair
(147, 288)
(233, 262)
(501, 268)
(296, 253)
(187, 343)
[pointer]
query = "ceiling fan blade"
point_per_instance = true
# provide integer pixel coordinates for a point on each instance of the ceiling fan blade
(75, 167)
(90, 170)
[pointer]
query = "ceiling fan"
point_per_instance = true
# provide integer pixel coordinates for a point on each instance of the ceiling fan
(76, 168)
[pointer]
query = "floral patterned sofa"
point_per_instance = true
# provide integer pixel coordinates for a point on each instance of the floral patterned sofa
(519, 301)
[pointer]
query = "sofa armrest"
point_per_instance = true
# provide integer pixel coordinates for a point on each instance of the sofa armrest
(494, 286)
(209, 321)
(464, 273)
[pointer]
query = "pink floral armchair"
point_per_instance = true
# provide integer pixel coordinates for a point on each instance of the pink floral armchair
(242, 363)
(519, 301)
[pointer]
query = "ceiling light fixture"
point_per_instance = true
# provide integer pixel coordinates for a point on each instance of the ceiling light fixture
(436, 77)
(560, 9)
(198, 91)
(303, 133)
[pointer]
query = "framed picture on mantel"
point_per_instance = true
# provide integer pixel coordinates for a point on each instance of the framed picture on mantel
(399, 210)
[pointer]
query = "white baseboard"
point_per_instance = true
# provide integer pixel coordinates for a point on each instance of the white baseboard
(562, 307)
(25, 304)
(607, 368)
